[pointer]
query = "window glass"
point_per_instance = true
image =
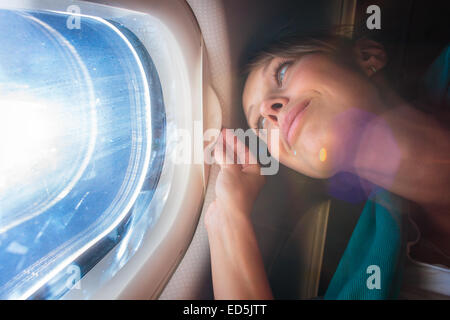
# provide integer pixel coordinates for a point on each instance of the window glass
(82, 139)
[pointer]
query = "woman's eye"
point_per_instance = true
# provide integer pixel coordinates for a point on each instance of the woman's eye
(261, 132)
(281, 72)
(261, 122)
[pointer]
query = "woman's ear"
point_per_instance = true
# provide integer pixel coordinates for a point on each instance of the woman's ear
(370, 56)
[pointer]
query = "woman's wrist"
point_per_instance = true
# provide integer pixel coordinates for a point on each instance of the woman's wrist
(218, 218)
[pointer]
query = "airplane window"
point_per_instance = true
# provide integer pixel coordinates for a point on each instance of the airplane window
(82, 143)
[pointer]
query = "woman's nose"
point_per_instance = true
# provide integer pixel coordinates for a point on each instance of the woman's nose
(272, 108)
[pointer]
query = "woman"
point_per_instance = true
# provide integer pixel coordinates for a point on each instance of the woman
(335, 113)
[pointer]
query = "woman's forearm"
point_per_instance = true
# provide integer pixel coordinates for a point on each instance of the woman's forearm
(236, 262)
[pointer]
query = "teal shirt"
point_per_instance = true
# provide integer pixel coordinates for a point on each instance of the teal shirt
(371, 266)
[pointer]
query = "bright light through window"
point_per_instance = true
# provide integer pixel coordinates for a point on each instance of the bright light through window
(82, 128)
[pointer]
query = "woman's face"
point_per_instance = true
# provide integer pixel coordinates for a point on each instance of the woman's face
(319, 107)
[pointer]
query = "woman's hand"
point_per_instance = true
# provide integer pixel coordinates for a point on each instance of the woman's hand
(238, 183)
(236, 262)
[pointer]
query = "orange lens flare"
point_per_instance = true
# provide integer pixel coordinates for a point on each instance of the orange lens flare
(323, 154)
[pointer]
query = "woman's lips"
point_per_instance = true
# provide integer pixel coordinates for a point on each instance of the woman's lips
(292, 120)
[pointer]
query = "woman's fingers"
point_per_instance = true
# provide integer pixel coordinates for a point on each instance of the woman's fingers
(231, 152)
(244, 156)
(224, 155)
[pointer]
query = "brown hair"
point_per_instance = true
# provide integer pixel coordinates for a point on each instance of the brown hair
(294, 46)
